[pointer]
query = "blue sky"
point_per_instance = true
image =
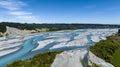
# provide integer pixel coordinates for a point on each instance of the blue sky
(61, 11)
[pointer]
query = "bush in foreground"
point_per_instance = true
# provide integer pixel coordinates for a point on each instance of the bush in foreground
(39, 60)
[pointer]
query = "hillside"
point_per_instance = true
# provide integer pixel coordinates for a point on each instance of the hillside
(109, 50)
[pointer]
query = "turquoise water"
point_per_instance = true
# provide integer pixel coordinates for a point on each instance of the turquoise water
(28, 45)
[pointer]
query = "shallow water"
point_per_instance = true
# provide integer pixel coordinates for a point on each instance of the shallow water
(26, 51)
(26, 47)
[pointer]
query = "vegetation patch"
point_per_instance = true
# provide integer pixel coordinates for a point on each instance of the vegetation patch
(116, 58)
(109, 50)
(39, 60)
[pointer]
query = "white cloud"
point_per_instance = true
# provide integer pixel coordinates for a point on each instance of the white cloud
(25, 17)
(12, 4)
(15, 8)
(19, 13)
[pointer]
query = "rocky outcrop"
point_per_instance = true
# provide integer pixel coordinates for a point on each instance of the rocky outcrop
(72, 58)
(78, 58)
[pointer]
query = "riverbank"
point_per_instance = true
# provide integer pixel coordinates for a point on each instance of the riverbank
(39, 60)
(109, 50)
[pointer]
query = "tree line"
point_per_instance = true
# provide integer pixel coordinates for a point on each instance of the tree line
(53, 27)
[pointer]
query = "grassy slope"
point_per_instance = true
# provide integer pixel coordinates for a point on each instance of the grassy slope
(116, 58)
(109, 50)
(39, 60)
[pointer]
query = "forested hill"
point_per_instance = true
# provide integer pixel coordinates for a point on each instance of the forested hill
(54, 27)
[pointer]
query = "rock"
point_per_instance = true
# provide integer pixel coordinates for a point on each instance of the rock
(72, 58)
(78, 58)
(119, 31)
